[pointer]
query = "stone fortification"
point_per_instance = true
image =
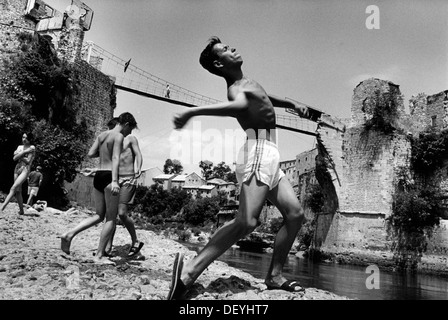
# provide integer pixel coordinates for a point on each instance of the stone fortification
(97, 92)
(357, 166)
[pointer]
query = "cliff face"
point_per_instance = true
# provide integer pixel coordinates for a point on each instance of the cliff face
(357, 165)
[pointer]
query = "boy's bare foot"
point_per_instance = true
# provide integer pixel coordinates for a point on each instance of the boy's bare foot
(65, 244)
(103, 260)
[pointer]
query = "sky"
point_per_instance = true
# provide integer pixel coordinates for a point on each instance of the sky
(313, 51)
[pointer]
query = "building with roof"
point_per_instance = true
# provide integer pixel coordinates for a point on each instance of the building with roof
(147, 177)
(289, 168)
(165, 180)
(207, 191)
(178, 181)
(223, 186)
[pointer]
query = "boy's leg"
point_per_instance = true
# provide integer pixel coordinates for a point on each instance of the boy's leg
(127, 221)
(127, 192)
(30, 197)
(285, 199)
(109, 225)
(15, 186)
(18, 187)
(100, 208)
(252, 198)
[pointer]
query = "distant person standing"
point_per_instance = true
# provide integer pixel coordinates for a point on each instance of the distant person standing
(24, 155)
(168, 91)
(34, 182)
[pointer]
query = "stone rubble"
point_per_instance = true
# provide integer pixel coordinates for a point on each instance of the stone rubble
(32, 266)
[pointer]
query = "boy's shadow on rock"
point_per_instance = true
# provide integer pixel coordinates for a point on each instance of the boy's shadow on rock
(30, 214)
(231, 285)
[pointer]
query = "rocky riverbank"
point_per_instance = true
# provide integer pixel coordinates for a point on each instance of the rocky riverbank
(32, 266)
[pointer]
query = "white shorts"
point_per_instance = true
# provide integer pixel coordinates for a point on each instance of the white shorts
(33, 191)
(261, 158)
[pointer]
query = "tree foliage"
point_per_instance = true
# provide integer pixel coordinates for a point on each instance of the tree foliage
(314, 198)
(415, 212)
(429, 151)
(206, 169)
(173, 167)
(201, 210)
(39, 93)
(383, 110)
(15, 118)
(154, 201)
(220, 171)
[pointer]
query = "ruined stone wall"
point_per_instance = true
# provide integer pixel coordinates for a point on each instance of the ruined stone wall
(81, 191)
(418, 116)
(98, 100)
(362, 169)
(357, 168)
(97, 93)
(371, 159)
(306, 161)
(429, 111)
(374, 96)
(12, 23)
(437, 114)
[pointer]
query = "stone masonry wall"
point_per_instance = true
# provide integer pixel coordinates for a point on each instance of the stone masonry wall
(97, 93)
(98, 100)
(357, 168)
(363, 167)
(370, 161)
(12, 23)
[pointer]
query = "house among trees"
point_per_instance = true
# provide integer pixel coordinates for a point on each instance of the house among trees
(165, 180)
(207, 191)
(290, 170)
(228, 187)
(195, 185)
(178, 181)
(193, 179)
(147, 177)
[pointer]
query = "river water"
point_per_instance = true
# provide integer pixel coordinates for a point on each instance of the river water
(343, 280)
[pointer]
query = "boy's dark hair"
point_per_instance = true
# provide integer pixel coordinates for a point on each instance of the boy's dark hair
(112, 123)
(126, 117)
(208, 56)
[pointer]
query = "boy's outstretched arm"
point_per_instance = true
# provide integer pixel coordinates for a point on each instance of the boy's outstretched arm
(289, 104)
(223, 109)
(303, 111)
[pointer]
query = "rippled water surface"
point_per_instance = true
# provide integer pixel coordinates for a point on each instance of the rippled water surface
(344, 280)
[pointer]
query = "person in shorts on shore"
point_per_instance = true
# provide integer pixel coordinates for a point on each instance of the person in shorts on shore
(34, 181)
(130, 169)
(107, 146)
(258, 171)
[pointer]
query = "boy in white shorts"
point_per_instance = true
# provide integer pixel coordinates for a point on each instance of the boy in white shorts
(257, 171)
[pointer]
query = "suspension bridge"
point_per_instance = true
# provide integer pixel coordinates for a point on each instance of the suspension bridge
(131, 78)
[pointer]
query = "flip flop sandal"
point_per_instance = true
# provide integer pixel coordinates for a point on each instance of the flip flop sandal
(289, 285)
(107, 255)
(135, 249)
(178, 288)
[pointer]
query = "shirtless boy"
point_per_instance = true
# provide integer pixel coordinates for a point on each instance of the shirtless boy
(107, 146)
(130, 169)
(257, 171)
